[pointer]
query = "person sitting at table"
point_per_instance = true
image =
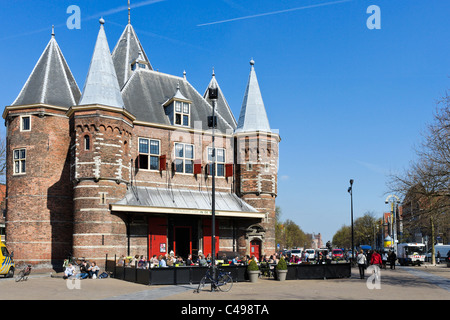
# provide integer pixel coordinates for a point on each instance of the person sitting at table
(189, 261)
(162, 262)
(224, 258)
(179, 261)
(235, 261)
(202, 262)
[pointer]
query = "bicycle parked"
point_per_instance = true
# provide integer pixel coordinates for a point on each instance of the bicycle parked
(76, 262)
(223, 283)
(24, 273)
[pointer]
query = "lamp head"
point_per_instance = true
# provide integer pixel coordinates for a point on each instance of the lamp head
(351, 181)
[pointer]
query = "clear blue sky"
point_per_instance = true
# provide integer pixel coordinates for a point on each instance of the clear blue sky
(348, 102)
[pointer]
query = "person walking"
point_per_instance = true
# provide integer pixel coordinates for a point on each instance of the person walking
(361, 261)
(438, 260)
(392, 258)
(375, 259)
(384, 258)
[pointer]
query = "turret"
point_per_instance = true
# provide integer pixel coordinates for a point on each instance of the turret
(39, 201)
(101, 166)
(256, 158)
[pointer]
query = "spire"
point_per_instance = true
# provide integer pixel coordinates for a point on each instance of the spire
(253, 115)
(126, 51)
(129, 12)
(101, 86)
(51, 81)
(222, 107)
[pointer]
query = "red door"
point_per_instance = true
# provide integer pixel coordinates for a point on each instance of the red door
(207, 234)
(255, 248)
(157, 236)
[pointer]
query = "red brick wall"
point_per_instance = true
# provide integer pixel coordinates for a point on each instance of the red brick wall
(101, 175)
(39, 204)
(257, 185)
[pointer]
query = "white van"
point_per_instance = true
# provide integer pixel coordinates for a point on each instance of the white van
(443, 250)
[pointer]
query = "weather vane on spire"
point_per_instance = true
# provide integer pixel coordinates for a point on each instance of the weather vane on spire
(129, 12)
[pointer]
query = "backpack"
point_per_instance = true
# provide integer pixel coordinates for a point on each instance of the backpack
(103, 275)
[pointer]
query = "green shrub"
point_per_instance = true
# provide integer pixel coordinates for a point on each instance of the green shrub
(281, 265)
(252, 266)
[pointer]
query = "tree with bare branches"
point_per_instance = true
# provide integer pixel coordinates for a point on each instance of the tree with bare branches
(425, 186)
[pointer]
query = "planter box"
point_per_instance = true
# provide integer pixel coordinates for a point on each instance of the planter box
(281, 274)
(193, 274)
(253, 275)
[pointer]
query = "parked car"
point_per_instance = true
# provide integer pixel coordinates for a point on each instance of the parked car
(337, 254)
(443, 250)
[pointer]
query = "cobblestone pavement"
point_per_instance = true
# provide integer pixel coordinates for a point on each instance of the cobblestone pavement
(404, 283)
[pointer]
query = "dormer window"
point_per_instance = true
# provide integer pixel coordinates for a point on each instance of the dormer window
(139, 63)
(182, 113)
(178, 109)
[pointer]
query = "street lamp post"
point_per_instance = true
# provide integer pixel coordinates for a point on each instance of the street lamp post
(212, 122)
(394, 208)
(350, 190)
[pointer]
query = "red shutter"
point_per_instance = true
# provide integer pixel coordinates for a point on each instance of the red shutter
(197, 166)
(162, 162)
(228, 170)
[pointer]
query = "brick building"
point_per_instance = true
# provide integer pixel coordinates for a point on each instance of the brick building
(124, 166)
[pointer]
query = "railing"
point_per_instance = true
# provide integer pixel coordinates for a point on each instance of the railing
(193, 274)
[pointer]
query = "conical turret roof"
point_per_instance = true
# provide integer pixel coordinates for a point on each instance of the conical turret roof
(51, 81)
(101, 86)
(222, 106)
(253, 116)
(127, 50)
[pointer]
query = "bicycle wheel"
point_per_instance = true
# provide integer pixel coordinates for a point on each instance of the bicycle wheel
(20, 276)
(224, 282)
(201, 285)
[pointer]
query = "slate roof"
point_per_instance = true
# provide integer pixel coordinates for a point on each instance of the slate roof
(101, 86)
(222, 106)
(125, 52)
(147, 90)
(183, 199)
(253, 116)
(51, 81)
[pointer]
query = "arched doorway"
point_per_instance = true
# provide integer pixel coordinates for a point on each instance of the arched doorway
(255, 248)
(255, 235)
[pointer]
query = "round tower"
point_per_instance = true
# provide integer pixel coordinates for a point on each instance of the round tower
(39, 197)
(101, 162)
(256, 158)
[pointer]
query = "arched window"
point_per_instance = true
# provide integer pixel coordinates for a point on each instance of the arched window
(87, 143)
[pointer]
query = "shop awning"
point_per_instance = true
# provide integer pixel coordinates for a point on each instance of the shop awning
(183, 201)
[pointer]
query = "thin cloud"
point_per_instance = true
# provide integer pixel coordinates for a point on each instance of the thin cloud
(372, 167)
(94, 16)
(122, 8)
(274, 12)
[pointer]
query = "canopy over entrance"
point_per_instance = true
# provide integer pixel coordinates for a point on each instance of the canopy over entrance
(183, 201)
